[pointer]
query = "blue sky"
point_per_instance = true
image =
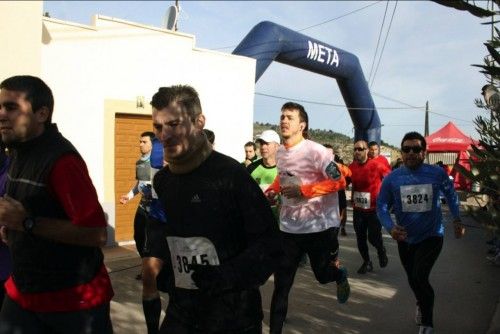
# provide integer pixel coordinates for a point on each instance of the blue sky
(427, 55)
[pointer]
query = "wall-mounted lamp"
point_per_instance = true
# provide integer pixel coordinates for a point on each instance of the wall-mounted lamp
(139, 102)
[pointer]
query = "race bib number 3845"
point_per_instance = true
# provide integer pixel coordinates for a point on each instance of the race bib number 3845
(186, 251)
(416, 198)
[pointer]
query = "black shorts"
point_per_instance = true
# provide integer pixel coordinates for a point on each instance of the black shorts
(155, 244)
(342, 200)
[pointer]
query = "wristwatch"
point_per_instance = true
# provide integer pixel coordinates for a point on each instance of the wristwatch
(29, 224)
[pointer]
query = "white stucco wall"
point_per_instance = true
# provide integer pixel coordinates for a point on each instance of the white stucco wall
(21, 27)
(119, 60)
(114, 60)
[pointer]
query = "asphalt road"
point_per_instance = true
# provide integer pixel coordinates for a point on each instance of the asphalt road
(467, 292)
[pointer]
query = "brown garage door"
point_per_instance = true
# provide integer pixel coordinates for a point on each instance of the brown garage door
(128, 129)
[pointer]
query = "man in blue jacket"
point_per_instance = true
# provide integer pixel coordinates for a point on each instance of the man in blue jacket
(413, 192)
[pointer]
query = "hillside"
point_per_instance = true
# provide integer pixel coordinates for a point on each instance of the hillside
(342, 144)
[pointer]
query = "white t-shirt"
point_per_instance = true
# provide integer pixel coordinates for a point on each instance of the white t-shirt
(306, 163)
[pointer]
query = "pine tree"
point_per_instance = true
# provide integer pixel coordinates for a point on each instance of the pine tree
(485, 157)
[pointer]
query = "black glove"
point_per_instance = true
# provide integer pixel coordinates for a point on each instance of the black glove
(211, 279)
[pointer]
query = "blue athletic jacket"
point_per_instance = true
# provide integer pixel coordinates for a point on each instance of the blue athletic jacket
(414, 197)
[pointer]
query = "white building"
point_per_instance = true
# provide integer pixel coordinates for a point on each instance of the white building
(99, 72)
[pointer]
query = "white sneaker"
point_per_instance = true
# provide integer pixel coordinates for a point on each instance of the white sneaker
(418, 316)
(426, 330)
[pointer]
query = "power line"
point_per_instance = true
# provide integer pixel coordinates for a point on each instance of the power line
(378, 40)
(418, 124)
(383, 46)
(339, 17)
(360, 108)
(330, 104)
(448, 116)
(394, 100)
(315, 25)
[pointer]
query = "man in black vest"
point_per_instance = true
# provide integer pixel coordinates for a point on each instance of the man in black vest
(52, 222)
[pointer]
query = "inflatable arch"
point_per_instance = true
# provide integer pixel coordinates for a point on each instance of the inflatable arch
(268, 42)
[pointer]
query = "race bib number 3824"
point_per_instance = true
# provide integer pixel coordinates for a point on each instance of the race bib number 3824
(416, 198)
(186, 251)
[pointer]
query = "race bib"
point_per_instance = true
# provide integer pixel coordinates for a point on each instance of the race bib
(186, 251)
(416, 198)
(361, 199)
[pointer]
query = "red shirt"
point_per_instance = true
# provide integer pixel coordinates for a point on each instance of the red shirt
(70, 181)
(366, 181)
(383, 160)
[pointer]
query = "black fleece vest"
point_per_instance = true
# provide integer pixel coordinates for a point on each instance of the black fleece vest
(39, 264)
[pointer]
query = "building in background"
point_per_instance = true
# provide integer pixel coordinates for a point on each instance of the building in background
(103, 76)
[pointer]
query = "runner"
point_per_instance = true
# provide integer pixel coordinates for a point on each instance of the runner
(52, 221)
(367, 175)
(264, 170)
(142, 186)
(221, 233)
(413, 191)
(308, 180)
(374, 153)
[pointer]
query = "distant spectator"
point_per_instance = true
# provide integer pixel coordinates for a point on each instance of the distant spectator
(250, 153)
(397, 164)
(445, 167)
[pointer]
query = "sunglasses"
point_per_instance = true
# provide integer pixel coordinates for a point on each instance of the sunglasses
(415, 149)
(359, 149)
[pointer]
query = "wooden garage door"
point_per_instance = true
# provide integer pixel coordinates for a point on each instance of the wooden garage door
(128, 129)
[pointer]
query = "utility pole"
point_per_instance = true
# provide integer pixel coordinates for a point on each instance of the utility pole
(426, 128)
(176, 6)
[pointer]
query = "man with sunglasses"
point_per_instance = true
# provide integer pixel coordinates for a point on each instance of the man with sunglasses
(367, 175)
(413, 191)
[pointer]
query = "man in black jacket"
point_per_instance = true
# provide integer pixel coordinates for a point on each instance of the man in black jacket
(221, 233)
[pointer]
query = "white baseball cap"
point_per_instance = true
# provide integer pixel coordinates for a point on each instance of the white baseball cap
(269, 136)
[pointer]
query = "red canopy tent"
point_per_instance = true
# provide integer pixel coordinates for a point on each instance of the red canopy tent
(450, 139)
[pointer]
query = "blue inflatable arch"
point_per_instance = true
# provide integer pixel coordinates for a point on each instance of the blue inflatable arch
(268, 42)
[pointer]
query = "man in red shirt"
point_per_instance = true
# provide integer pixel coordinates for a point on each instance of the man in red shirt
(367, 175)
(52, 222)
(374, 153)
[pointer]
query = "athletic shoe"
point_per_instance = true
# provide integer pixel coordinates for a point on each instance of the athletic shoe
(382, 258)
(343, 288)
(343, 232)
(365, 267)
(418, 316)
(425, 330)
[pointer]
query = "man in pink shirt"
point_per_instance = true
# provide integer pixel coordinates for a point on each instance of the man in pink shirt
(308, 180)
